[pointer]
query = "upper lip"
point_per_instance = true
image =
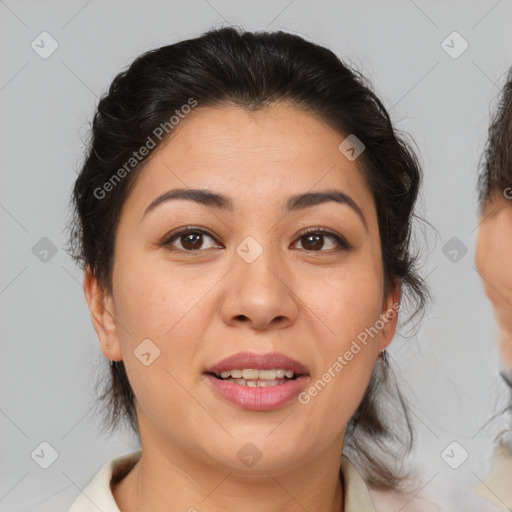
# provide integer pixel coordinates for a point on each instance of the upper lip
(251, 360)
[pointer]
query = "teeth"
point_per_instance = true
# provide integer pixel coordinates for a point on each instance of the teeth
(253, 374)
(267, 383)
(250, 374)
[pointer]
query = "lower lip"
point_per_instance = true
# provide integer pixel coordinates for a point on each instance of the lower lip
(259, 398)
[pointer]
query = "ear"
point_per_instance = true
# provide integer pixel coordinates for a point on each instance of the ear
(101, 308)
(389, 315)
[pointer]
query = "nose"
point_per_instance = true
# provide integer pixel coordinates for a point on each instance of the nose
(259, 293)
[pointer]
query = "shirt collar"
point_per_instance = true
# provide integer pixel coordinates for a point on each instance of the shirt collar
(98, 495)
(356, 495)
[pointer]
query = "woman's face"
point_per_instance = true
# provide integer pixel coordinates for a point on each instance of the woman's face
(493, 261)
(247, 279)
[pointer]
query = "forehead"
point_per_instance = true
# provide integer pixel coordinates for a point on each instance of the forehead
(258, 158)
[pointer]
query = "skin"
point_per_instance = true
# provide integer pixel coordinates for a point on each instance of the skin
(309, 303)
(493, 262)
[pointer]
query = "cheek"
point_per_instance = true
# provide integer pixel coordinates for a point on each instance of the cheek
(492, 259)
(346, 301)
(502, 256)
(162, 315)
(347, 327)
(482, 249)
(154, 300)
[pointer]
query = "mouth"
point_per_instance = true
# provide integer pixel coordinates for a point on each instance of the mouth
(258, 382)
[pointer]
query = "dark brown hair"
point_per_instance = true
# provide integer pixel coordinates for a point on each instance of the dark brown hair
(253, 70)
(496, 164)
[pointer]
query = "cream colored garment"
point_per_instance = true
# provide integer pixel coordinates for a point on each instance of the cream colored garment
(497, 487)
(98, 496)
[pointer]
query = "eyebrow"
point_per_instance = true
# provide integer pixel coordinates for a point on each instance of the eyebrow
(221, 202)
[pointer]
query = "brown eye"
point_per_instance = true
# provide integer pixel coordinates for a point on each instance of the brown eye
(191, 240)
(314, 241)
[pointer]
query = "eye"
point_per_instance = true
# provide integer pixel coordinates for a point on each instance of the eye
(191, 239)
(313, 240)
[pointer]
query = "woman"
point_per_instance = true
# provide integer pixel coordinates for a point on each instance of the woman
(243, 218)
(493, 261)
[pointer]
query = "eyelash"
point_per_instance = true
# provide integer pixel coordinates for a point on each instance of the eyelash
(341, 242)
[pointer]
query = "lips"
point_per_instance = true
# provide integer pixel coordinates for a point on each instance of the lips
(273, 395)
(251, 360)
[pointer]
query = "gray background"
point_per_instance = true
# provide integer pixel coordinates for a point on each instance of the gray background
(50, 355)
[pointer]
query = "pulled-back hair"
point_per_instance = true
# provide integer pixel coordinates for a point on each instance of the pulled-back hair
(254, 71)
